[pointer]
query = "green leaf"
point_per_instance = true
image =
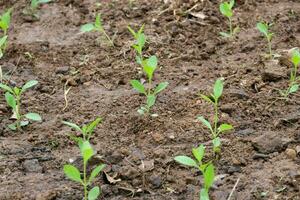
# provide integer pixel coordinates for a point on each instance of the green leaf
(94, 193)
(216, 144)
(150, 100)
(5, 20)
(204, 194)
(12, 126)
(206, 98)
(133, 33)
(231, 4)
(86, 151)
(33, 116)
(72, 173)
(24, 123)
(209, 176)
(11, 101)
(87, 28)
(205, 122)
(72, 125)
(149, 66)
(152, 62)
(160, 87)
(137, 85)
(294, 88)
(296, 57)
(44, 1)
(263, 28)
(28, 85)
(91, 127)
(95, 172)
(185, 160)
(226, 35)
(225, 127)
(7, 88)
(218, 89)
(225, 9)
(98, 22)
(3, 40)
(199, 152)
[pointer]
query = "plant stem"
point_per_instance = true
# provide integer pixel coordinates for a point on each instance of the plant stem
(108, 38)
(84, 181)
(216, 119)
(18, 112)
(230, 27)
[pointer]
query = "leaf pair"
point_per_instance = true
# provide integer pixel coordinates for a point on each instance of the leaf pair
(264, 29)
(217, 92)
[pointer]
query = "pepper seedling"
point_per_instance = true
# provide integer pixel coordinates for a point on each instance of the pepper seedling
(86, 130)
(96, 26)
(13, 98)
(215, 130)
(5, 19)
(226, 10)
(294, 80)
(149, 66)
(33, 8)
(207, 169)
(264, 29)
(73, 172)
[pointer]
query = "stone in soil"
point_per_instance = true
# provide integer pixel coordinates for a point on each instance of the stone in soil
(273, 72)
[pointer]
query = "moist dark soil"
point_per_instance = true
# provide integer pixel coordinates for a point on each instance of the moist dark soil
(259, 156)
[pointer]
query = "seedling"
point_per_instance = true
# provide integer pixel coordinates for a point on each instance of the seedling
(294, 80)
(215, 130)
(5, 21)
(207, 169)
(13, 99)
(96, 26)
(149, 66)
(86, 130)
(32, 10)
(264, 29)
(73, 173)
(226, 10)
(3, 43)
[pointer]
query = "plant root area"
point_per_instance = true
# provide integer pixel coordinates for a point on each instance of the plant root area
(260, 156)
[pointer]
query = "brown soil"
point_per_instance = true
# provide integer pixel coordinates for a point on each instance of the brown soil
(192, 56)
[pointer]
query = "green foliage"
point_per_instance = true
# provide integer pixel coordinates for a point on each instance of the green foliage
(5, 19)
(86, 130)
(214, 128)
(73, 173)
(33, 8)
(226, 10)
(149, 65)
(207, 169)
(96, 26)
(264, 29)
(13, 98)
(35, 3)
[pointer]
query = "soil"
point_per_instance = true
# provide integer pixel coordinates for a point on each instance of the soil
(258, 156)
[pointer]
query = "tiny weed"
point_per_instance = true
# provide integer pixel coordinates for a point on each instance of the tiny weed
(96, 26)
(148, 65)
(294, 80)
(86, 130)
(215, 129)
(207, 169)
(226, 10)
(33, 8)
(264, 29)
(73, 173)
(13, 99)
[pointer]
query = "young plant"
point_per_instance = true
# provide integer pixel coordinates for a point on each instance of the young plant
(264, 29)
(96, 26)
(294, 80)
(226, 10)
(32, 9)
(214, 128)
(73, 173)
(149, 66)
(13, 98)
(4, 26)
(207, 169)
(86, 130)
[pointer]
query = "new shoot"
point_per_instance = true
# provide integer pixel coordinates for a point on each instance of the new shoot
(149, 66)
(96, 26)
(264, 29)
(13, 98)
(226, 10)
(5, 19)
(215, 128)
(207, 169)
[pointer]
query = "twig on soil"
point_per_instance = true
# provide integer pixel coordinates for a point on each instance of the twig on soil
(233, 189)
(66, 91)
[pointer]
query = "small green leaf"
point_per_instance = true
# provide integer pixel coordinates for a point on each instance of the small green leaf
(231, 4)
(94, 193)
(216, 144)
(152, 62)
(149, 66)
(24, 123)
(263, 28)
(87, 28)
(72, 173)
(12, 126)
(98, 22)
(7, 88)
(95, 172)
(5, 20)
(28, 85)
(206, 98)
(205, 122)
(86, 151)
(209, 176)
(296, 57)
(225, 127)
(185, 160)
(226, 35)
(141, 40)
(3, 40)
(72, 125)
(91, 127)
(160, 87)
(226, 10)
(199, 152)
(150, 100)
(44, 1)
(10, 99)
(204, 194)
(294, 88)
(218, 89)
(137, 85)
(33, 116)
(133, 33)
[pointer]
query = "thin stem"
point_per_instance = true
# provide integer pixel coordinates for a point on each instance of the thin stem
(18, 112)
(216, 118)
(108, 38)
(84, 181)
(230, 27)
